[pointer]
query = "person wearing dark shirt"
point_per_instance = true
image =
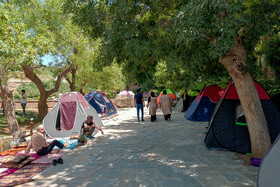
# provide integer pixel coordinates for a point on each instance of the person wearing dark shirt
(89, 124)
(139, 104)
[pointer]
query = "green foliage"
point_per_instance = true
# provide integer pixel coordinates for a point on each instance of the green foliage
(108, 79)
(33, 92)
(188, 36)
(15, 40)
(272, 56)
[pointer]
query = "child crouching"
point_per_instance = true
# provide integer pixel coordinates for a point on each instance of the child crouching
(82, 140)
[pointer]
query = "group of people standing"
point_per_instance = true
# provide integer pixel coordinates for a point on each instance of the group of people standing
(165, 103)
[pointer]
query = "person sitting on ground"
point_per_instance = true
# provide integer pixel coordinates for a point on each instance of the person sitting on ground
(89, 124)
(82, 140)
(39, 144)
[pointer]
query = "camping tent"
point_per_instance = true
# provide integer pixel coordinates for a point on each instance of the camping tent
(68, 115)
(227, 128)
(101, 103)
(170, 93)
(179, 106)
(124, 99)
(126, 93)
(204, 104)
(270, 166)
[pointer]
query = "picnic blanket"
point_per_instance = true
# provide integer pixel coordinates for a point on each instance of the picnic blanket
(12, 177)
(8, 171)
(22, 175)
(70, 144)
(12, 151)
(48, 159)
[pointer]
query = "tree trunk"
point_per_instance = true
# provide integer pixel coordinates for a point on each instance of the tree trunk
(42, 105)
(82, 87)
(249, 99)
(9, 110)
(44, 94)
(72, 81)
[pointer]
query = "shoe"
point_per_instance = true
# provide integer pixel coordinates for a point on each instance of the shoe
(138, 120)
(143, 120)
(60, 161)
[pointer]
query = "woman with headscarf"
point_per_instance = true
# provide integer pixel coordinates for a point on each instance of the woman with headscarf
(166, 105)
(186, 101)
(152, 103)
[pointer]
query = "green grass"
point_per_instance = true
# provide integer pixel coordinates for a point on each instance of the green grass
(24, 122)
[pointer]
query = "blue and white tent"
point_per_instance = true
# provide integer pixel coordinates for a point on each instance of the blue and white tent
(101, 103)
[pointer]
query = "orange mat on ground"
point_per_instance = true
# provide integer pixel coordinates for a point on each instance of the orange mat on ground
(12, 151)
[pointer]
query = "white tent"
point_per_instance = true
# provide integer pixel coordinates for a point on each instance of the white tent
(68, 115)
(270, 166)
(179, 106)
(125, 99)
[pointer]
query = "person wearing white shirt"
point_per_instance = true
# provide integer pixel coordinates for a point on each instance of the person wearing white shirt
(60, 95)
(23, 102)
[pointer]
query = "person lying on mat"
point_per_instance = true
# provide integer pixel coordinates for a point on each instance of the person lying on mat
(89, 124)
(39, 144)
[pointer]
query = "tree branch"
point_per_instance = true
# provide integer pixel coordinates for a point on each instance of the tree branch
(5, 69)
(29, 73)
(58, 80)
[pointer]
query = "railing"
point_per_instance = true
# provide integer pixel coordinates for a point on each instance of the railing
(34, 104)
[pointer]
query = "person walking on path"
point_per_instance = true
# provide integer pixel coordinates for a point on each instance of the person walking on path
(166, 105)
(139, 104)
(186, 101)
(23, 102)
(39, 144)
(152, 103)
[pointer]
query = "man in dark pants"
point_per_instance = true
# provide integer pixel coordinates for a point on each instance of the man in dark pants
(139, 104)
(39, 144)
(23, 102)
(89, 124)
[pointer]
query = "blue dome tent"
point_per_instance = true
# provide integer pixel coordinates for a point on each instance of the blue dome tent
(101, 103)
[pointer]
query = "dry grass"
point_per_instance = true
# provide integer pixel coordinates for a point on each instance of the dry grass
(24, 122)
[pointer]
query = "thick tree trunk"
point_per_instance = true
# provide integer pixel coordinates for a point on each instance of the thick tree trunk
(42, 105)
(44, 94)
(250, 102)
(9, 110)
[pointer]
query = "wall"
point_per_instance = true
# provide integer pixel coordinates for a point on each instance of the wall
(34, 104)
